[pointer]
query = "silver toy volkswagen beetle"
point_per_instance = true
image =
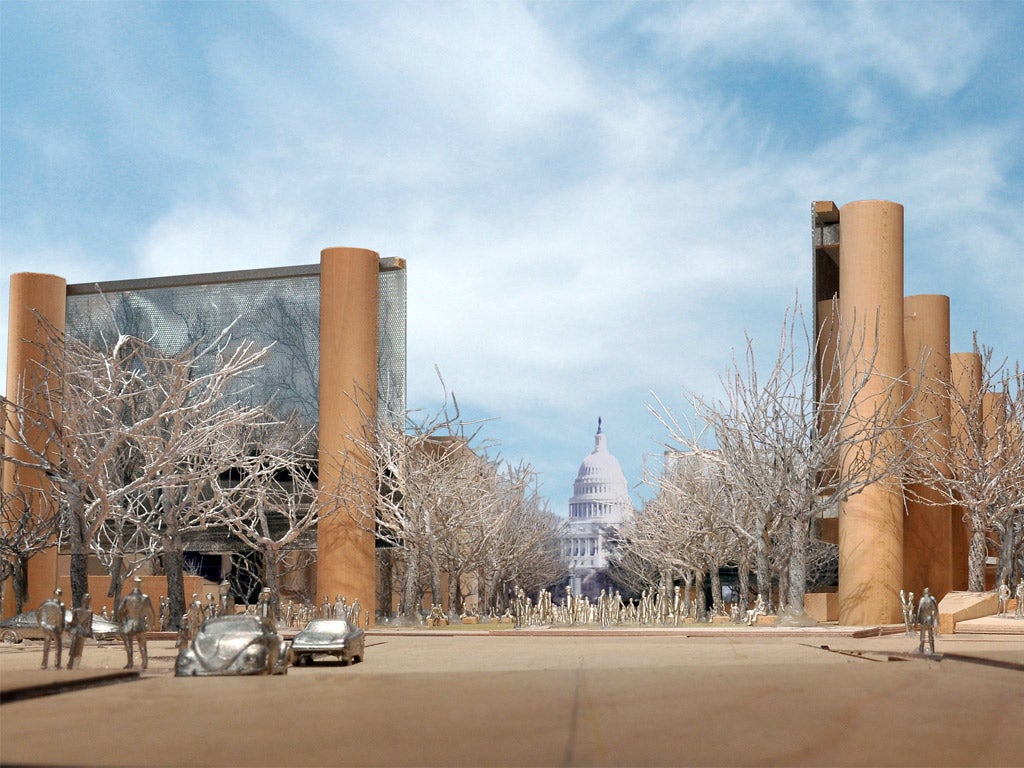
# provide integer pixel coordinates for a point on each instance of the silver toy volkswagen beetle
(234, 645)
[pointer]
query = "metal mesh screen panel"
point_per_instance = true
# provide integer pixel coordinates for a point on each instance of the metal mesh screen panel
(391, 347)
(265, 307)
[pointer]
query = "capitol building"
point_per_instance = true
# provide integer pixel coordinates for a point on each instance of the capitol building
(599, 504)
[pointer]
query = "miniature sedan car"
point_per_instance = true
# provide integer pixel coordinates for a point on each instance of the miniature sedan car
(234, 645)
(25, 626)
(328, 637)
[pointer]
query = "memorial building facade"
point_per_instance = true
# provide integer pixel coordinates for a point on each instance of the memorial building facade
(890, 539)
(336, 333)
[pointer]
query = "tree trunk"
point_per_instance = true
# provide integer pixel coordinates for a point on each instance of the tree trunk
(764, 567)
(797, 584)
(409, 608)
(19, 582)
(783, 589)
(977, 553)
(687, 588)
(271, 557)
(716, 590)
(79, 554)
(436, 593)
(1007, 546)
(174, 569)
(744, 584)
(385, 589)
(699, 596)
(454, 577)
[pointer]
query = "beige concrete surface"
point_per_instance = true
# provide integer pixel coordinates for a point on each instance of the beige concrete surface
(535, 699)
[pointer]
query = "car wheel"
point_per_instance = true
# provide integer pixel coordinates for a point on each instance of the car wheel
(10, 637)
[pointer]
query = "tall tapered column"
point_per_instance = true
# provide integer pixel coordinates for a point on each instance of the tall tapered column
(33, 296)
(871, 303)
(927, 527)
(965, 376)
(348, 402)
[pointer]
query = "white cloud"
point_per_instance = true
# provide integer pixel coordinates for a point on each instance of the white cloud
(580, 228)
(927, 50)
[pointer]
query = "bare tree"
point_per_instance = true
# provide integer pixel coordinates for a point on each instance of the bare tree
(446, 508)
(27, 527)
(269, 499)
(116, 421)
(979, 467)
(520, 546)
(797, 451)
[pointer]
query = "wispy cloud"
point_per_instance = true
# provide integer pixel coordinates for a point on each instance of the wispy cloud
(595, 201)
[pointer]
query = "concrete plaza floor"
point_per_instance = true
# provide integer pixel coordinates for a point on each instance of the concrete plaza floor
(755, 697)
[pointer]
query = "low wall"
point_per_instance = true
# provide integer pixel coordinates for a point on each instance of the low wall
(822, 606)
(960, 606)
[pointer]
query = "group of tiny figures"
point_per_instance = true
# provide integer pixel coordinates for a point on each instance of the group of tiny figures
(925, 616)
(134, 616)
(610, 609)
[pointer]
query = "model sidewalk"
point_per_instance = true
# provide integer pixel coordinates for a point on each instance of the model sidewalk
(547, 698)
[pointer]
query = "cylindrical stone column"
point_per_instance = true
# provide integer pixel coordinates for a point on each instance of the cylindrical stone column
(927, 527)
(348, 404)
(965, 377)
(33, 296)
(871, 308)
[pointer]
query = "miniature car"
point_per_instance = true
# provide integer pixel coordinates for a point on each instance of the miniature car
(328, 637)
(25, 626)
(234, 645)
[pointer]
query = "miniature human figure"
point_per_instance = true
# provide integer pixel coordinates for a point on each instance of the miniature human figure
(211, 606)
(1019, 594)
(50, 616)
(1003, 593)
(81, 628)
(184, 633)
(354, 611)
(164, 614)
(265, 607)
(908, 611)
(734, 613)
(618, 606)
(326, 611)
(196, 615)
(227, 600)
(104, 613)
(135, 616)
(928, 619)
(753, 613)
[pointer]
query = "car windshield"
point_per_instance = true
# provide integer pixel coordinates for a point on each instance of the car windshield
(228, 624)
(327, 625)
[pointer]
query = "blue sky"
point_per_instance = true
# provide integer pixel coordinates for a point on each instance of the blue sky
(595, 199)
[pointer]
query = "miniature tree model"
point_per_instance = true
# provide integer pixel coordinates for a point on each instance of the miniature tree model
(796, 451)
(444, 507)
(269, 499)
(980, 467)
(23, 531)
(124, 422)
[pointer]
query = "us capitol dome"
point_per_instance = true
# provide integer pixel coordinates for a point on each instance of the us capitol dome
(599, 504)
